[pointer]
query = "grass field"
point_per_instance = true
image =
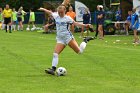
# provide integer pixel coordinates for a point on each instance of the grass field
(104, 67)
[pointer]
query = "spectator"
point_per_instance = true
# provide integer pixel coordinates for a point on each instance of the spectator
(101, 17)
(118, 18)
(72, 15)
(86, 20)
(97, 13)
(135, 26)
(128, 22)
(50, 25)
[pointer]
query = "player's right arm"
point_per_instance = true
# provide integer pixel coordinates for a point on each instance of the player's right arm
(45, 10)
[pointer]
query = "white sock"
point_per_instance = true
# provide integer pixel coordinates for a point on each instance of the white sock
(3, 26)
(18, 27)
(28, 26)
(34, 26)
(82, 47)
(14, 27)
(55, 60)
(7, 27)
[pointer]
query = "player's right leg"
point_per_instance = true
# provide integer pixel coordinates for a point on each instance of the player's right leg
(58, 49)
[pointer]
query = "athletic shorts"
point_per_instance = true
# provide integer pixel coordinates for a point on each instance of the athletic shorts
(135, 28)
(65, 39)
(7, 20)
(19, 19)
(100, 22)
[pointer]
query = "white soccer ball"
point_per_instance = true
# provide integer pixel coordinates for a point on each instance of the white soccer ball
(32, 29)
(61, 71)
(27, 29)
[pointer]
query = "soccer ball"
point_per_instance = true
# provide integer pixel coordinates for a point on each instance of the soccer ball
(32, 29)
(27, 29)
(61, 71)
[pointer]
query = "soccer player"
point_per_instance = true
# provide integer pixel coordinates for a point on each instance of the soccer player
(14, 19)
(23, 14)
(72, 14)
(135, 26)
(101, 16)
(31, 19)
(64, 36)
(19, 18)
(7, 14)
(1, 18)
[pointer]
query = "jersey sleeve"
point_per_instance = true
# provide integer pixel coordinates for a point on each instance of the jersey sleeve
(70, 20)
(55, 15)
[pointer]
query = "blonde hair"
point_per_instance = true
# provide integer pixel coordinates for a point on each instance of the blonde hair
(61, 7)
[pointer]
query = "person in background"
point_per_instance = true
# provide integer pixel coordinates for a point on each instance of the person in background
(7, 14)
(23, 14)
(72, 14)
(19, 18)
(1, 18)
(86, 19)
(101, 16)
(14, 19)
(135, 26)
(31, 19)
(97, 12)
(50, 25)
(128, 22)
(118, 18)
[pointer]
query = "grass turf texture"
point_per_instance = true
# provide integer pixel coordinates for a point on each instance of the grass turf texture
(105, 67)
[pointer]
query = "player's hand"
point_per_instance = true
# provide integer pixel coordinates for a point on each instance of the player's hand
(41, 9)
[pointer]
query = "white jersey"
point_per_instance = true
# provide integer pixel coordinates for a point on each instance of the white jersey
(62, 24)
(64, 35)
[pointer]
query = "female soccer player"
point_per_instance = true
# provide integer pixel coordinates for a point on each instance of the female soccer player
(19, 18)
(1, 18)
(14, 19)
(31, 19)
(64, 36)
(135, 26)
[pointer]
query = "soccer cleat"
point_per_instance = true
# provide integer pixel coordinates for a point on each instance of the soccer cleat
(50, 71)
(87, 39)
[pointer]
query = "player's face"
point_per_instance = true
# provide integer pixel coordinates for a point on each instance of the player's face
(129, 12)
(61, 11)
(7, 6)
(70, 9)
(98, 8)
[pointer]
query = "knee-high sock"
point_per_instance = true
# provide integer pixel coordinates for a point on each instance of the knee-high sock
(3, 26)
(82, 47)
(55, 61)
(18, 27)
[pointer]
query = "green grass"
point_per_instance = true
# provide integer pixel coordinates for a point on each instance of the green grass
(104, 67)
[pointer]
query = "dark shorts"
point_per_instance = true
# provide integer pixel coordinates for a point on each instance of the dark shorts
(7, 20)
(19, 19)
(100, 22)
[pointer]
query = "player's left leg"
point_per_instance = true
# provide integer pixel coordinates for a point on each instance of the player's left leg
(136, 38)
(79, 49)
